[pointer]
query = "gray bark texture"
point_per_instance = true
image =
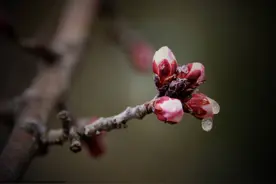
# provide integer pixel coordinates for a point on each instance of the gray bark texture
(45, 91)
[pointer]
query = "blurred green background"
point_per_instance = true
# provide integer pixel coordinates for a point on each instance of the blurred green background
(229, 37)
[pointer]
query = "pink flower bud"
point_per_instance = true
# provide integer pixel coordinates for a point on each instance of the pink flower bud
(168, 109)
(141, 56)
(94, 144)
(201, 106)
(164, 65)
(193, 72)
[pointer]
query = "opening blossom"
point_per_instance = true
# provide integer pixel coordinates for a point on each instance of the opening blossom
(168, 109)
(177, 86)
(193, 73)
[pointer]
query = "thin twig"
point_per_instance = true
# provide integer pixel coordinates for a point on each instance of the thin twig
(75, 140)
(69, 126)
(55, 136)
(39, 50)
(83, 129)
(117, 121)
(66, 120)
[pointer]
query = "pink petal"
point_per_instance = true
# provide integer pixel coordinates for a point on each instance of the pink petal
(164, 69)
(168, 109)
(175, 117)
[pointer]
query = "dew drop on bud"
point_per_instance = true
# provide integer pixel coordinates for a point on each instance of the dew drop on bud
(207, 124)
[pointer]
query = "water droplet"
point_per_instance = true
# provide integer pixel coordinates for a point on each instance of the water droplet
(207, 124)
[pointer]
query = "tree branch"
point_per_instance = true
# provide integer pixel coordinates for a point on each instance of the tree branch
(39, 50)
(118, 121)
(46, 89)
(82, 128)
(55, 136)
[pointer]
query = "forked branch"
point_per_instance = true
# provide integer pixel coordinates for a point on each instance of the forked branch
(82, 128)
(47, 88)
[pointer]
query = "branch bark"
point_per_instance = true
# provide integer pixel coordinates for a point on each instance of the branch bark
(29, 46)
(117, 121)
(46, 89)
(81, 128)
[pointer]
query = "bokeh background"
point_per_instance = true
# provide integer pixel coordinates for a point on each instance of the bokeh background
(229, 37)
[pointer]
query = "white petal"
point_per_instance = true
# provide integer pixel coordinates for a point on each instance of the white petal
(171, 105)
(177, 118)
(163, 53)
(215, 105)
(208, 108)
(207, 124)
(197, 66)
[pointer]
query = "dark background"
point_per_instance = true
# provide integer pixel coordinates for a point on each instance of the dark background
(231, 38)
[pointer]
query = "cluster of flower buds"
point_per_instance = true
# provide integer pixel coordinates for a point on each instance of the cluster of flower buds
(177, 90)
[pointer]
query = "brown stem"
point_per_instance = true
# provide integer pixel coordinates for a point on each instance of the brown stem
(119, 120)
(66, 120)
(82, 128)
(46, 89)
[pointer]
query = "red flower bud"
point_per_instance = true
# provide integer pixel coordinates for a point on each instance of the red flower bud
(164, 65)
(201, 106)
(193, 73)
(94, 144)
(168, 109)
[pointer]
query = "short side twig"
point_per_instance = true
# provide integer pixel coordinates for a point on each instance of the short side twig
(55, 136)
(75, 140)
(9, 107)
(66, 120)
(30, 46)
